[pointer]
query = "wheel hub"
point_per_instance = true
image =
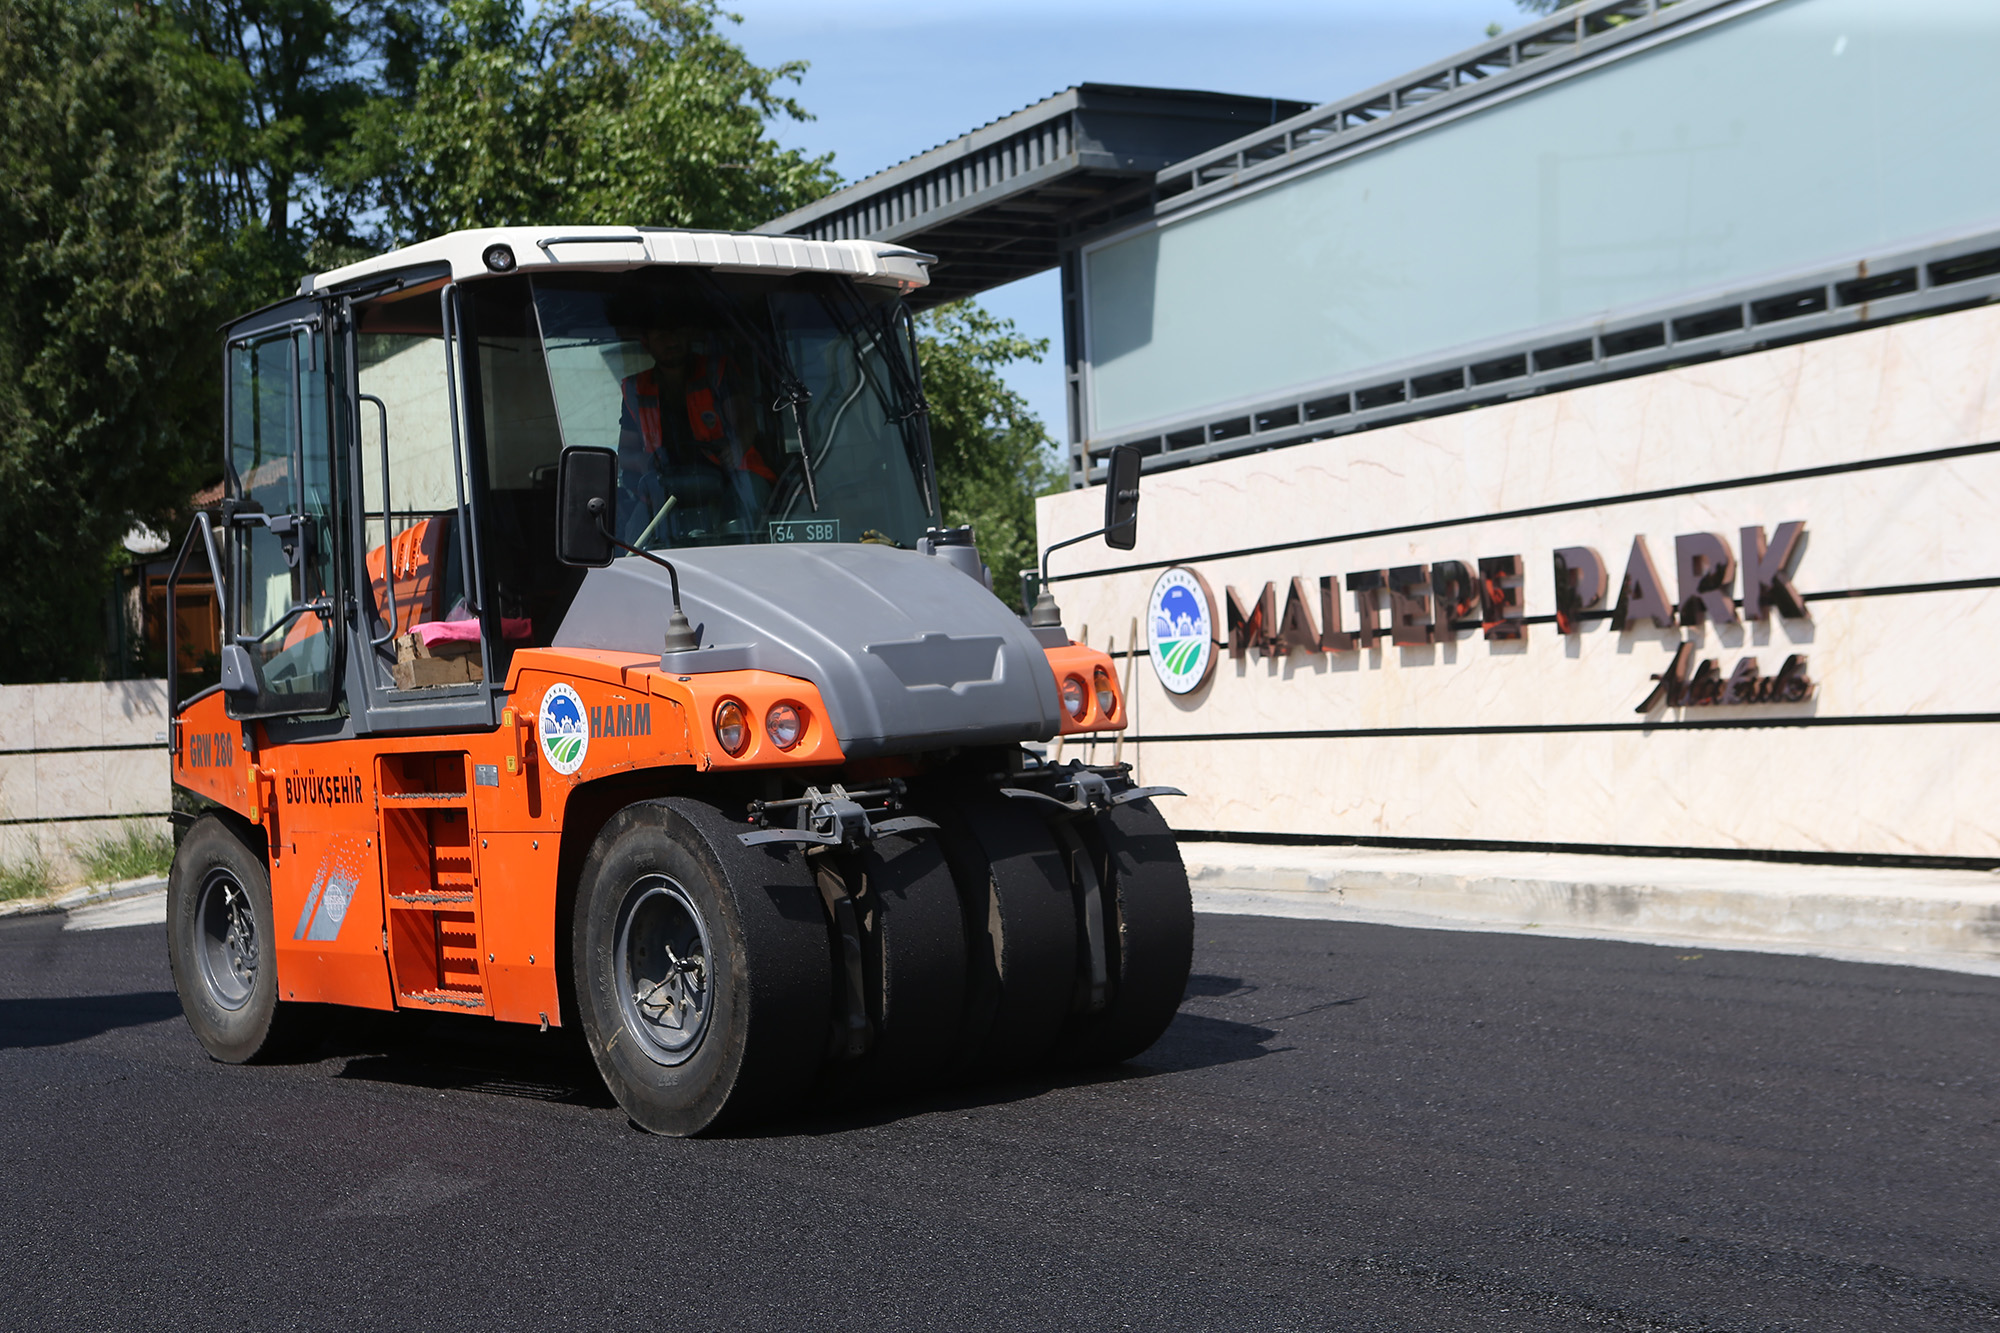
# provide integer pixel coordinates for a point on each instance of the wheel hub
(663, 977)
(226, 939)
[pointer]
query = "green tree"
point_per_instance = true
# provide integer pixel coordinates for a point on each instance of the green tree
(300, 73)
(994, 456)
(108, 270)
(582, 113)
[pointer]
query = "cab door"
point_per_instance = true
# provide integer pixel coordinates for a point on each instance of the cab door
(282, 641)
(286, 520)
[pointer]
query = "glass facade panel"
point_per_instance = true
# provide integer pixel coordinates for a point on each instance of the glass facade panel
(1799, 134)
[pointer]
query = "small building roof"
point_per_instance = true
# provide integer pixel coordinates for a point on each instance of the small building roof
(992, 204)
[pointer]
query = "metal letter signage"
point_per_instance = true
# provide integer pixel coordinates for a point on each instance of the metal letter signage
(1707, 576)
(1255, 627)
(1457, 594)
(1296, 630)
(1686, 685)
(1766, 582)
(1418, 604)
(1180, 630)
(1579, 585)
(1639, 596)
(1410, 604)
(1500, 609)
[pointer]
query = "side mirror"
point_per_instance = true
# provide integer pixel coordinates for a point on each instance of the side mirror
(586, 491)
(238, 673)
(1121, 498)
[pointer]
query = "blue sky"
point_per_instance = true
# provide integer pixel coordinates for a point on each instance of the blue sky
(888, 81)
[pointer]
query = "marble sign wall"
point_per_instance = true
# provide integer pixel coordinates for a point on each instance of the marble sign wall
(1873, 729)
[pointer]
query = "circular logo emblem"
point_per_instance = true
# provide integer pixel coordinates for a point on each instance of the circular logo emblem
(1180, 630)
(564, 731)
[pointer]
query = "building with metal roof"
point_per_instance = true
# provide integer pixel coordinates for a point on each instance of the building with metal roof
(1584, 442)
(1623, 185)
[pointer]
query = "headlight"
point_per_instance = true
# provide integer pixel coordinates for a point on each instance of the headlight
(784, 724)
(732, 726)
(1075, 699)
(1107, 698)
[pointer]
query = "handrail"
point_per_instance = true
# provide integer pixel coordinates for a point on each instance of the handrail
(202, 525)
(468, 549)
(545, 242)
(388, 537)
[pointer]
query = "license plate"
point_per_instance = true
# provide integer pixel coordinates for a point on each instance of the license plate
(805, 530)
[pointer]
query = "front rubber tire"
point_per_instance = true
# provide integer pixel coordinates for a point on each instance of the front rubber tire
(913, 956)
(221, 946)
(1148, 935)
(1021, 929)
(669, 878)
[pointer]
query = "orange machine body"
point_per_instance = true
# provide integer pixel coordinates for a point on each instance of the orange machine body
(423, 871)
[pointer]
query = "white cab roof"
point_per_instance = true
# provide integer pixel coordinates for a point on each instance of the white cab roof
(602, 248)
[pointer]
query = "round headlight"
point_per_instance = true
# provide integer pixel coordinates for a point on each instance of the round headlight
(499, 258)
(784, 724)
(1107, 698)
(732, 726)
(1076, 701)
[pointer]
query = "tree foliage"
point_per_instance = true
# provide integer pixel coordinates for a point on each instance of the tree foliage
(108, 266)
(583, 113)
(994, 456)
(168, 163)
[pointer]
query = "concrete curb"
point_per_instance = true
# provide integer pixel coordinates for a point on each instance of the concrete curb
(1929, 918)
(85, 895)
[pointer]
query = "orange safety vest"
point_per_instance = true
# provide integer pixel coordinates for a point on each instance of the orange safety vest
(704, 414)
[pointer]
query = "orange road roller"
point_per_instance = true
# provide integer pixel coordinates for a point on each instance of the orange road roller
(591, 651)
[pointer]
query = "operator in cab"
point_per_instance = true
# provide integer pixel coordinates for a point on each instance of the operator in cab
(688, 458)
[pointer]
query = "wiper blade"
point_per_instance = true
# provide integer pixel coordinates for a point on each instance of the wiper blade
(901, 374)
(792, 390)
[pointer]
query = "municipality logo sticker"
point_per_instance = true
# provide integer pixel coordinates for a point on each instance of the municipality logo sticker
(1180, 630)
(564, 731)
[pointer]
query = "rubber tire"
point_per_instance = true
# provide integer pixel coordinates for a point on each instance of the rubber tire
(913, 958)
(1021, 929)
(264, 1029)
(769, 968)
(1148, 935)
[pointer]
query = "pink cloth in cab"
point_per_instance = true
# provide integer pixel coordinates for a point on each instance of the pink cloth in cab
(514, 629)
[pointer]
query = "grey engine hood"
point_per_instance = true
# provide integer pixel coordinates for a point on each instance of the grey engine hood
(908, 653)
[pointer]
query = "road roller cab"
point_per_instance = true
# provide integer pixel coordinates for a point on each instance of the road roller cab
(594, 653)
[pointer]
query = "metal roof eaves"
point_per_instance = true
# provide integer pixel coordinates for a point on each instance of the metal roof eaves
(934, 156)
(980, 138)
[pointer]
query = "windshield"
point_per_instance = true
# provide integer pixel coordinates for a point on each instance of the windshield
(713, 388)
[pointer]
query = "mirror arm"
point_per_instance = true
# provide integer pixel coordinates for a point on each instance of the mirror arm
(1046, 614)
(680, 634)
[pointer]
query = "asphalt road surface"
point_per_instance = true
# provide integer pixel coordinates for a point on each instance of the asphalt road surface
(1349, 1127)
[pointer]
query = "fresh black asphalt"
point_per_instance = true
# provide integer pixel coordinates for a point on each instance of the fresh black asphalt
(1348, 1127)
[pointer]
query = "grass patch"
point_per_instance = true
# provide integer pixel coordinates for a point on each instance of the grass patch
(135, 851)
(30, 877)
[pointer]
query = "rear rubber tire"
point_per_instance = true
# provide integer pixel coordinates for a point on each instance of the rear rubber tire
(1020, 925)
(221, 946)
(733, 1028)
(913, 965)
(1148, 935)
